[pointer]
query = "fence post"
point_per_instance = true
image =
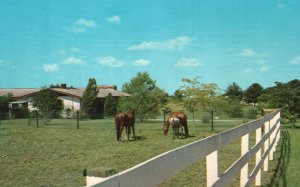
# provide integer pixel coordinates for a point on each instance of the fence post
(77, 117)
(271, 138)
(244, 150)
(212, 168)
(267, 143)
(37, 118)
(277, 117)
(258, 157)
(212, 120)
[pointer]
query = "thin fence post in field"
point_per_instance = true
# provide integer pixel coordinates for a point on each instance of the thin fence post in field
(244, 150)
(212, 168)
(37, 118)
(77, 116)
(267, 143)
(258, 158)
(212, 120)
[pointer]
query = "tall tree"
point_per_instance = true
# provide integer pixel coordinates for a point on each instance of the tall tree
(234, 91)
(4, 105)
(252, 93)
(178, 95)
(197, 95)
(89, 97)
(285, 96)
(110, 106)
(146, 98)
(47, 103)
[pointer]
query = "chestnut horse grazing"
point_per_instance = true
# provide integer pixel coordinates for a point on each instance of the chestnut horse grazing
(173, 119)
(127, 120)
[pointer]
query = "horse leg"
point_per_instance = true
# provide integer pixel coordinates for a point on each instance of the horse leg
(121, 130)
(133, 131)
(126, 134)
(118, 131)
(186, 130)
(177, 132)
(173, 132)
(129, 132)
(181, 130)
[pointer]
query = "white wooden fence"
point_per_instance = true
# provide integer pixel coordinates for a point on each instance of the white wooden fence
(153, 171)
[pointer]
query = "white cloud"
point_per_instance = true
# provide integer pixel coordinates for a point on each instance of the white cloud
(50, 67)
(74, 50)
(86, 23)
(62, 52)
(68, 51)
(141, 62)
(264, 68)
(81, 25)
(280, 6)
(248, 71)
(73, 60)
(114, 19)
(169, 45)
(110, 61)
(250, 53)
(188, 62)
(295, 60)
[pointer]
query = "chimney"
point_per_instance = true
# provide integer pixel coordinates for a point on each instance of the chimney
(64, 86)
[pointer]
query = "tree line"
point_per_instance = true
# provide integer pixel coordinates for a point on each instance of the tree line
(148, 100)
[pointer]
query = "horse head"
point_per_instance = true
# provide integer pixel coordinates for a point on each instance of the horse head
(166, 128)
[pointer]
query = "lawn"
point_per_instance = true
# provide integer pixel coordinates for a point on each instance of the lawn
(56, 154)
(288, 167)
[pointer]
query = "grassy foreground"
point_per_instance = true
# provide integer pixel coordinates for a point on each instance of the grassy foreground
(288, 167)
(55, 155)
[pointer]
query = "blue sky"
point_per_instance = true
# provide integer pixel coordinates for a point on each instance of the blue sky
(70, 41)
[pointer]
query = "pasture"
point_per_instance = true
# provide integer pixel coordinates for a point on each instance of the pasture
(56, 154)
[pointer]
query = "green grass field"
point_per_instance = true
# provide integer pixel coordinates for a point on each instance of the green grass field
(56, 154)
(288, 167)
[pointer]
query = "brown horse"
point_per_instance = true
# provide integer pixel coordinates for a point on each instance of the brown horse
(127, 120)
(182, 123)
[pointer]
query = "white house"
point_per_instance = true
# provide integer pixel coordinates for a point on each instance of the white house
(71, 97)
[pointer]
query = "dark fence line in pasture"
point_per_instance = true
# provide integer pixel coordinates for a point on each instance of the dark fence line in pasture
(37, 119)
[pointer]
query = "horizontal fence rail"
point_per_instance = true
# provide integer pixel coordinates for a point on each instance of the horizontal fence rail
(155, 170)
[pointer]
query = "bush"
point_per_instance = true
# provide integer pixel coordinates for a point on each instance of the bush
(234, 110)
(251, 113)
(287, 117)
(206, 117)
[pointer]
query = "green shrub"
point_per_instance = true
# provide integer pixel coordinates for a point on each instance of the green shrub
(234, 109)
(251, 113)
(206, 117)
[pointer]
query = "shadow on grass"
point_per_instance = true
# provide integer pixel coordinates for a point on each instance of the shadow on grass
(279, 177)
(139, 138)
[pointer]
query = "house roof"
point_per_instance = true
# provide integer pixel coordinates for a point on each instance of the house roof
(104, 93)
(18, 92)
(75, 92)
